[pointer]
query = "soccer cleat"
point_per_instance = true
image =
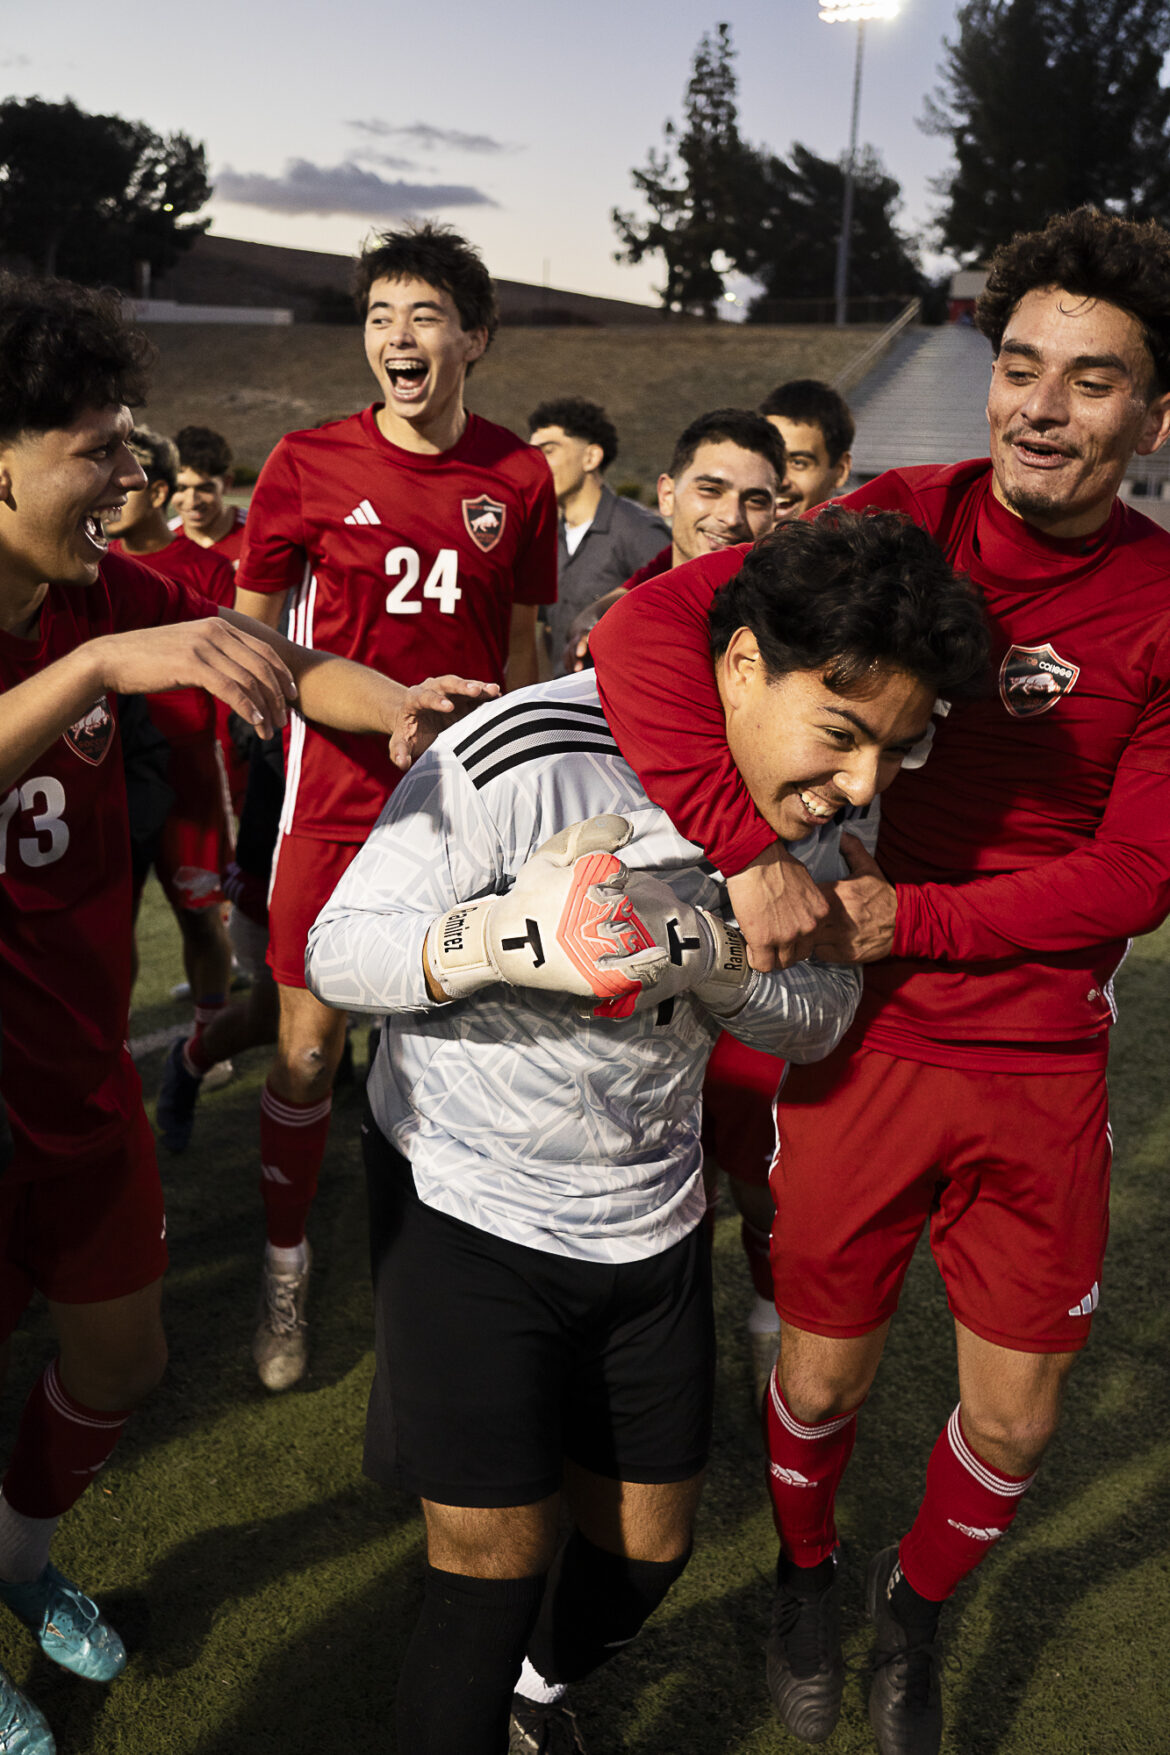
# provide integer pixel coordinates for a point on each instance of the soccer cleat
(543, 1730)
(68, 1626)
(905, 1701)
(279, 1345)
(23, 1731)
(177, 1096)
(805, 1667)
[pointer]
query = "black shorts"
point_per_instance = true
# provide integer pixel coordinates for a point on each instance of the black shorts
(496, 1361)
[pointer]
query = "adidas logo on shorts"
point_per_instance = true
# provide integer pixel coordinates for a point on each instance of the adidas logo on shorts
(1088, 1303)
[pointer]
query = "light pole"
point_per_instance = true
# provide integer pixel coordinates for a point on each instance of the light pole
(851, 12)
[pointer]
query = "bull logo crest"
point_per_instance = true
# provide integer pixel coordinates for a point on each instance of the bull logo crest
(92, 734)
(484, 520)
(1033, 678)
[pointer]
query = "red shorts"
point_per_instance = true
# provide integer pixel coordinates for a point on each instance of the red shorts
(85, 1236)
(739, 1096)
(1011, 1170)
(305, 873)
(196, 840)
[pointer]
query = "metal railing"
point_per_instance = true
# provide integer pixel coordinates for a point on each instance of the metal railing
(857, 368)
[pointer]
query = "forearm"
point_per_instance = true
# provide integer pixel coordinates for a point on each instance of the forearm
(332, 691)
(1090, 897)
(365, 962)
(800, 1013)
(35, 713)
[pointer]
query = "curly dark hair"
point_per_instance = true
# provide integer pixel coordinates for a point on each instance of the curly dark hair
(438, 255)
(813, 403)
(63, 349)
(739, 425)
(1096, 255)
(204, 450)
(156, 454)
(580, 420)
(847, 591)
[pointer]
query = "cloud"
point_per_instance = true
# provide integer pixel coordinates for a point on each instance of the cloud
(432, 139)
(16, 61)
(344, 188)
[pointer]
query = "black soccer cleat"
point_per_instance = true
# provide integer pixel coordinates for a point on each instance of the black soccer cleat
(905, 1700)
(177, 1096)
(543, 1730)
(806, 1671)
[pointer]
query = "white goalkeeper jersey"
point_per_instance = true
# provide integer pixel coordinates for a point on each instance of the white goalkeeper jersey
(570, 1134)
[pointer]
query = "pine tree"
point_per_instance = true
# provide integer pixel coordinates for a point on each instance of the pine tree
(1050, 104)
(703, 190)
(89, 196)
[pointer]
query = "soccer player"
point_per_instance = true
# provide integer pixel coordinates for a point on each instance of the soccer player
(542, 1281)
(1030, 845)
(601, 537)
(81, 1212)
(410, 531)
(817, 427)
(720, 489)
(196, 838)
(204, 479)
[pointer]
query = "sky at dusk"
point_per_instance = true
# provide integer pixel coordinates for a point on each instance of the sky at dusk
(518, 124)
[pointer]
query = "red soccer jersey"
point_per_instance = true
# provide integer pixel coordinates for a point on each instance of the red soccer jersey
(229, 548)
(1035, 839)
(407, 562)
(183, 715)
(65, 888)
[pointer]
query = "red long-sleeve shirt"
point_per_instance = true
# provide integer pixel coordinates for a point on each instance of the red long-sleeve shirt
(1035, 840)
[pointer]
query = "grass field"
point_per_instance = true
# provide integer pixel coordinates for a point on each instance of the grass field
(266, 1589)
(253, 384)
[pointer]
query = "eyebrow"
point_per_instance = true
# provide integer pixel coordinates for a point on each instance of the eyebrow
(863, 726)
(1110, 362)
(418, 305)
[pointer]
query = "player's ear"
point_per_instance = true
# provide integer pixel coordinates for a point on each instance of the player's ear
(844, 465)
(740, 664)
(592, 458)
(229, 482)
(6, 498)
(666, 496)
(477, 340)
(1156, 427)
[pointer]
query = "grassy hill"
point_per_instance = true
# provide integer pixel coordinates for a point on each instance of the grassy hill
(253, 384)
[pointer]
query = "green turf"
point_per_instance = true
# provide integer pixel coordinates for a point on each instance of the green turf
(267, 1590)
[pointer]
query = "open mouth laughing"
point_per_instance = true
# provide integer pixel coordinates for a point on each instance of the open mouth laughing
(407, 379)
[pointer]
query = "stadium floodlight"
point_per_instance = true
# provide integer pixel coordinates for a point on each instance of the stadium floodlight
(851, 12)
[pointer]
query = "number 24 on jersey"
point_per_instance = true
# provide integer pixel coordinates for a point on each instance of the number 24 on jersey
(441, 583)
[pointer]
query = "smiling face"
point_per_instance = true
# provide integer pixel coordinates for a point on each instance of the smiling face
(419, 352)
(803, 750)
(56, 488)
(725, 495)
(200, 506)
(1072, 399)
(809, 478)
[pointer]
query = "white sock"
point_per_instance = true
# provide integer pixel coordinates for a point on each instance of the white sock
(534, 1687)
(764, 1319)
(24, 1544)
(289, 1260)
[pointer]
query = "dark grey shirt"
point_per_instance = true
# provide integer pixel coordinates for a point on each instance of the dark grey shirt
(622, 537)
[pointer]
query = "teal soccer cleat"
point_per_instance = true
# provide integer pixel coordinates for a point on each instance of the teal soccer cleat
(69, 1628)
(22, 1729)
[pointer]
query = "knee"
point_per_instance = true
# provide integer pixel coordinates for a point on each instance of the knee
(120, 1380)
(814, 1394)
(308, 1068)
(1012, 1440)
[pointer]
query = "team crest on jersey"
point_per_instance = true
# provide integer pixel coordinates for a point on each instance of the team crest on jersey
(93, 734)
(1033, 678)
(484, 519)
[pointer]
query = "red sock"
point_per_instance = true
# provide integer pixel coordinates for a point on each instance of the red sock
(292, 1146)
(805, 1464)
(967, 1506)
(205, 1010)
(757, 1246)
(60, 1446)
